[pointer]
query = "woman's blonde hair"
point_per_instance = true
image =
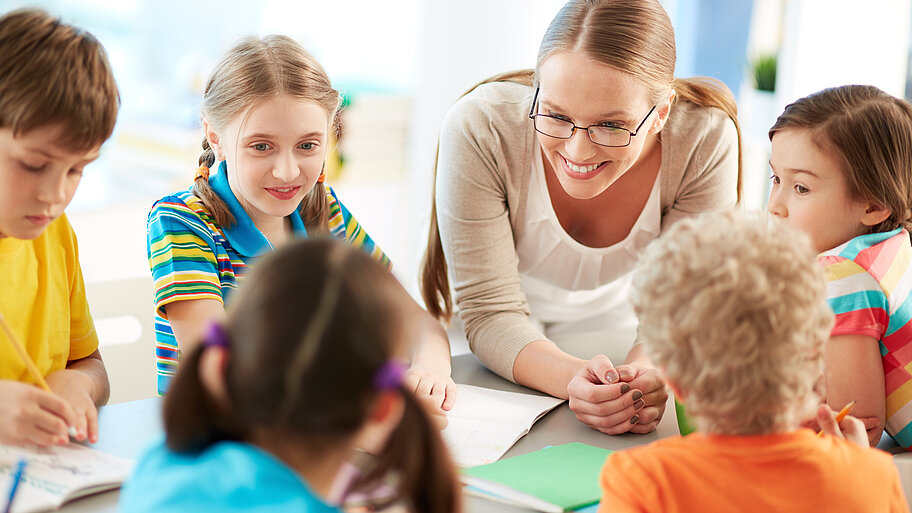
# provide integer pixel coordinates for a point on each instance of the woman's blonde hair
(870, 133)
(255, 70)
(734, 310)
(635, 37)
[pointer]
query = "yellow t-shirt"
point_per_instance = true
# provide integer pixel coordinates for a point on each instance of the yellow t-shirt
(42, 298)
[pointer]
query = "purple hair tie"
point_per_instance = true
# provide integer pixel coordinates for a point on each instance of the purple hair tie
(389, 375)
(215, 336)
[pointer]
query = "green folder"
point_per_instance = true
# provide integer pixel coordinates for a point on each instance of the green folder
(557, 478)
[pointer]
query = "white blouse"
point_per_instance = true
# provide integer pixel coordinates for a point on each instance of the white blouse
(572, 288)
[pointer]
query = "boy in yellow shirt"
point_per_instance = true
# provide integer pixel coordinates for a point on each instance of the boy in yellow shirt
(58, 104)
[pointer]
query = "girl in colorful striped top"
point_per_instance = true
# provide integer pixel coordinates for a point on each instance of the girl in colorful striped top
(842, 173)
(269, 111)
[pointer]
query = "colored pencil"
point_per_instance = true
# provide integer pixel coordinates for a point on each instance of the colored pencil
(847, 409)
(17, 478)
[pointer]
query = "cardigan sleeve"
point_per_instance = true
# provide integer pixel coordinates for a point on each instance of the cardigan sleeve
(476, 233)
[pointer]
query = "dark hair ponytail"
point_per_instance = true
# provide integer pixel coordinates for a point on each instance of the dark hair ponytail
(427, 480)
(307, 335)
(193, 420)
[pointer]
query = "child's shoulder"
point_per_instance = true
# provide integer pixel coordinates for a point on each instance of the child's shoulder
(875, 253)
(183, 200)
(61, 231)
(183, 206)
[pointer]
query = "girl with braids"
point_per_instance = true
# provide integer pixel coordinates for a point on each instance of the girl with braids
(268, 113)
(550, 182)
(842, 173)
(307, 366)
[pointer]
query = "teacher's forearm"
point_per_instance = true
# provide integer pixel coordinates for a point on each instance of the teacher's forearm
(543, 366)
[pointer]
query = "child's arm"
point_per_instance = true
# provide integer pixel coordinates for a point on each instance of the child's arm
(32, 416)
(189, 319)
(83, 384)
(429, 374)
(854, 372)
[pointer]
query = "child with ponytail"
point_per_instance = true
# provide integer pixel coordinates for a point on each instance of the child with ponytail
(268, 112)
(306, 367)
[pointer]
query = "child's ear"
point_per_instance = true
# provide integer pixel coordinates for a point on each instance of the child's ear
(212, 372)
(213, 139)
(385, 415)
(389, 407)
(673, 387)
(875, 214)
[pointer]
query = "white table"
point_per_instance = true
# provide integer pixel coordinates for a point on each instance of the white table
(126, 428)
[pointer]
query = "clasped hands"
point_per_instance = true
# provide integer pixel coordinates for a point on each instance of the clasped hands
(615, 400)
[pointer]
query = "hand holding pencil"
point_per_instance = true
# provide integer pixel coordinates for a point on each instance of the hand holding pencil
(29, 414)
(841, 425)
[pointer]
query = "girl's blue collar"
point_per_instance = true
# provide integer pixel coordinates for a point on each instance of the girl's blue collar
(243, 235)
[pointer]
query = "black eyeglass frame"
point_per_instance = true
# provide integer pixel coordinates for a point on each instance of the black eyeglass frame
(631, 135)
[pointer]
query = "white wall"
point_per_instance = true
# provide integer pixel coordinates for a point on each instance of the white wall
(835, 42)
(462, 43)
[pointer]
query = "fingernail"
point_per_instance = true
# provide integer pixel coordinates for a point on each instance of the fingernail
(626, 374)
(634, 419)
(611, 376)
(625, 388)
(639, 404)
(637, 394)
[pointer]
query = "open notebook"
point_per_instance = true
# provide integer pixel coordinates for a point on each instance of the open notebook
(56, 475)
(485, 423)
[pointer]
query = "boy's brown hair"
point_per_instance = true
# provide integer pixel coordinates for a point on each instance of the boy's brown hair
(55, 74)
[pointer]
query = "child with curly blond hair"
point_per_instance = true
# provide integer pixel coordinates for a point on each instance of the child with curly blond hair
(734, 312)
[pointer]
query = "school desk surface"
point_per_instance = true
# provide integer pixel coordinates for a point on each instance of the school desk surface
(125, 428)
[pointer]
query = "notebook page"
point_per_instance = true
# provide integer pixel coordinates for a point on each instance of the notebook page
(485, 423)
(55, 475)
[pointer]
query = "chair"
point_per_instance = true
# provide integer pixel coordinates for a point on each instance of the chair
(123, 315)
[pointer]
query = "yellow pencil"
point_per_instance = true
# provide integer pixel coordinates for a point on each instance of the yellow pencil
(847, 409)
(29, 364)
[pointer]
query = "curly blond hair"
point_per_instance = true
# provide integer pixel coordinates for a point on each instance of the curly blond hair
(734, 310)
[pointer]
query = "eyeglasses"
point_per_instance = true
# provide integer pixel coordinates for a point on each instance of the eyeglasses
(559, 128)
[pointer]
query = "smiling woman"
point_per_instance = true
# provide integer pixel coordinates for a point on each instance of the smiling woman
(549, 185)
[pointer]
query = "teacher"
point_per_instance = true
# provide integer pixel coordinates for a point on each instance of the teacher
(549, 185)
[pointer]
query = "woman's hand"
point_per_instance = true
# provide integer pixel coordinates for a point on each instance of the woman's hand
(76, 388)
(32, 416)
(617, 400)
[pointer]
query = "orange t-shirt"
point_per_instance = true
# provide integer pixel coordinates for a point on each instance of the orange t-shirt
(790, 472)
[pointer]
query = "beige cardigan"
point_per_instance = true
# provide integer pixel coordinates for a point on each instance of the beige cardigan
(482, 180)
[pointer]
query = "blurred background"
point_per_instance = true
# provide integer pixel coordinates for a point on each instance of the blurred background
(400, 65)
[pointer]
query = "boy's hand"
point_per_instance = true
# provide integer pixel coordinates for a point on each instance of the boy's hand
(850, 428)
(75, 388)
(434, 390)
(617, 400)
(32, 416)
